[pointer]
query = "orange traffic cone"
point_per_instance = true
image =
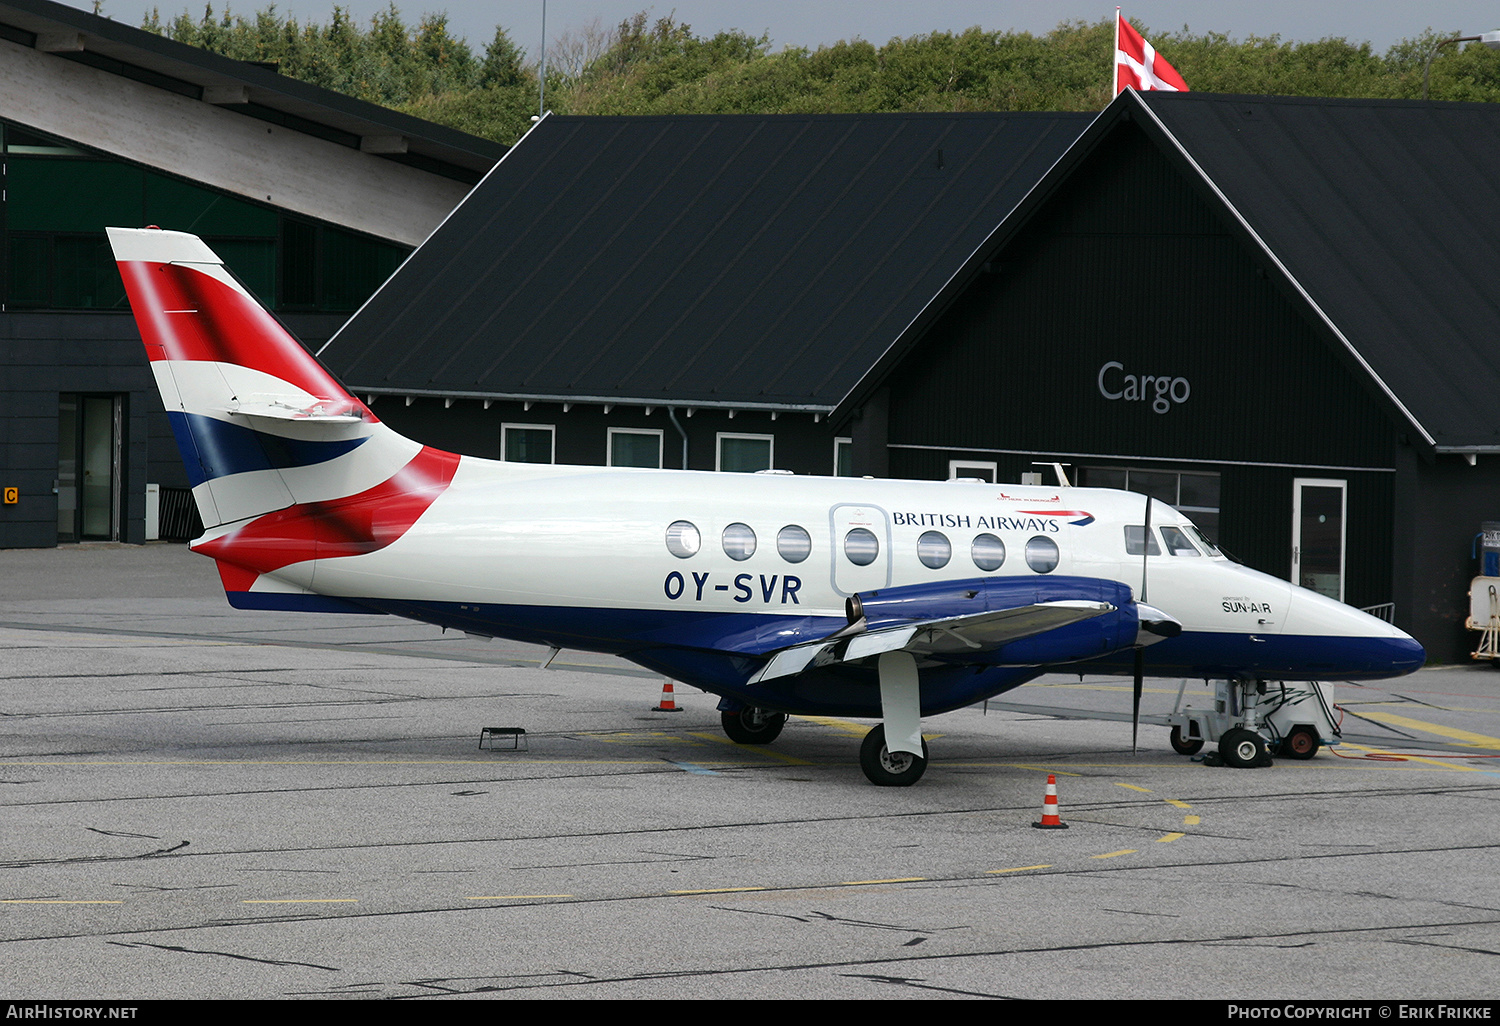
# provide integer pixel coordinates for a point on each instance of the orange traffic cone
(1051, 820)
(668, 701)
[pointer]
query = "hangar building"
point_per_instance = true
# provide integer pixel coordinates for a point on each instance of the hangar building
(312, 197)
(1273, 313)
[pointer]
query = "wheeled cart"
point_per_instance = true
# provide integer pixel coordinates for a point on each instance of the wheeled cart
(1251, 720)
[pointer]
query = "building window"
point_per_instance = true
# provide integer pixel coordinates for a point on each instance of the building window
(1193, 494)
(984, 470)
(526, 443)
(634, 447)
(58, 198)
(745, 454)
(843, 457)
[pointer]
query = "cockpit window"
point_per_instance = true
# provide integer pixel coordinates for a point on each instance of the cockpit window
(1177, 542)
(1208, 546)
(1134, 546)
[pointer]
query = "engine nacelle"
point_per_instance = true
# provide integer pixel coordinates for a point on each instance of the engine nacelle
(1099, 635)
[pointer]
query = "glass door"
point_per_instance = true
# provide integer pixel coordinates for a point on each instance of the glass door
(88, 467)
(1319, 507)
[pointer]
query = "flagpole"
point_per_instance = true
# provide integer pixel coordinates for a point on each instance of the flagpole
(1114, 68)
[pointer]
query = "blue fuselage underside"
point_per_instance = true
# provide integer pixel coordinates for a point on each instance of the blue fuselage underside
(719, 652)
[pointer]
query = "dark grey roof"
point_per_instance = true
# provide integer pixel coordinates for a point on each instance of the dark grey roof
(739, 260)
(111, 46)
(1386, 214)
(1382, 215)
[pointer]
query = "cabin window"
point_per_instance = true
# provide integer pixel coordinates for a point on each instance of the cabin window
(739, 542)
(526, 443)
(861, 547)
(988, 552)
(934, 550)
(1138, 543)
(683, 539)
(794, 543)
(634, 447)
(1042, 554)
(1177, 542)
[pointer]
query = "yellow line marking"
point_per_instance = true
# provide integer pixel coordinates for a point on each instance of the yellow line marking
(843, 726)
(770, 753)
(898, 879)
(1178, 804)
(850, 727)
(1169, 838)
(1466, 737)
(719, 890)
(515, 897)
(55, 901)
(1018, 869)
(1190, 821)
(298, 901)
(1112, 854)
(1039, 769)
(1143, 790)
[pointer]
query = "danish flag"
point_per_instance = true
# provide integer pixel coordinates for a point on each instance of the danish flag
(1137, 65)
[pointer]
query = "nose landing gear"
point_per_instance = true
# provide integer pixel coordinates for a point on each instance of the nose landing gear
(1252, 719)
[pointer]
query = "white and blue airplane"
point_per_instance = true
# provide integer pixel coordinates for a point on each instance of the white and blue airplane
(835, 596)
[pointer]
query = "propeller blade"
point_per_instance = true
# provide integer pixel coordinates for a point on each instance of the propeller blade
(1140, 651)
(1135, 714)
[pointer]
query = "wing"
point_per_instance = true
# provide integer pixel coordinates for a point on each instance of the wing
(951, 638)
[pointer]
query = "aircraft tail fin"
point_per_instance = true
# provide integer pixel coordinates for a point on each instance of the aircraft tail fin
(261, 425)
(287, 468)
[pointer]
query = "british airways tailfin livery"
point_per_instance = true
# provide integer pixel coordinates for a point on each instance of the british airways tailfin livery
(781, 594)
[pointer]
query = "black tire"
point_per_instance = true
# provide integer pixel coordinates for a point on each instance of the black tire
(1301, 743)
(1243, 749)
(890, 769)
(1185, 746)
(753, 726)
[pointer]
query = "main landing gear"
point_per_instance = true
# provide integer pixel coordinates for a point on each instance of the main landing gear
(893, 753)
(752, 726)
(887, 768)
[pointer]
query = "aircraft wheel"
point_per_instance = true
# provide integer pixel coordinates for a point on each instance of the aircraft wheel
(1185, 746)
(753, 726)
(1301, 743)
(886, 768)
(1243, 749)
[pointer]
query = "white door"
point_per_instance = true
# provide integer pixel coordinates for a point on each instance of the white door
(861, 548)
(1319, 508)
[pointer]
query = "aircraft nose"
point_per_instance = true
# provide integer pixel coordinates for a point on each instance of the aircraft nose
(1406, 654)
(1358, 645)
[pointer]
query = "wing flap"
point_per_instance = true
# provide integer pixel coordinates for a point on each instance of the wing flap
(975, 634)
